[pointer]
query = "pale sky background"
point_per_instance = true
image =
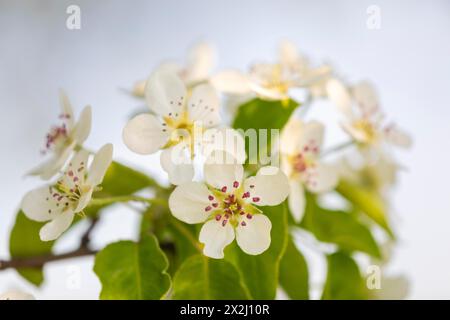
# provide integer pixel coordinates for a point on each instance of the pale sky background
(121, 41)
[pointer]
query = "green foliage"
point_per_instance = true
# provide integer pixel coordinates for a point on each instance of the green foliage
(344, 281)
(260, 273)
(294, 273)
(262, 114)
(24, 242)
(340, 228)
(367, 201)
(202, 278)
(134, 271)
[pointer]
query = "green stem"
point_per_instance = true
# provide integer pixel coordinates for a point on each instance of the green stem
(111, 200)
(337, 148)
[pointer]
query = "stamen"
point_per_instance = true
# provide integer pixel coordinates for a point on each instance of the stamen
(246, 195)
(256, 199)
(210, 198)
(215, 204)
(224, 189)
(224, 222)
(249, 216)
(243, 223)
(235, 184)
(208, 208)
(218, 217)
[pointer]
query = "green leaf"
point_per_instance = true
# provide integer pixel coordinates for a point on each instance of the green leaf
(344, 280)
(260, 273)
(202, 278)
(294, 273)
(367, 201)
(340, 228)
(132, 271)
(262, 114)
(24, 242)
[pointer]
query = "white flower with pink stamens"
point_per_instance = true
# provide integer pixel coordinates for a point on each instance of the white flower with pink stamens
(197, 68)
(365, 121)
(62, 140)
(182, 124)
(227, 205)
(59, 202)
(300, 155)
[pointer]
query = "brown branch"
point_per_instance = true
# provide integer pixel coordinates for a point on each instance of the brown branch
(39, 261)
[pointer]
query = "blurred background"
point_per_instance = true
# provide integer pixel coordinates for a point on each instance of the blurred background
(408, 58)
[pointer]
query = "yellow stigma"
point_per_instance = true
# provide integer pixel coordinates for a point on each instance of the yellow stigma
(367, 129)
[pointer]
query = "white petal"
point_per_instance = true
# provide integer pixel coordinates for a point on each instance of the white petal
(76, 170)
(203, 106)
(225, 139)
(84, 200)
(254, 237)
(40, 205)
(139, 88)
(231, 82)
(216, 237)
(53, 165)
(288, 53)
(266, 93)
(397, 137)
(100, 164)
(269, 187)
(291, 135)
(66, 109)
(296, 200)
(312, 135)
(339, 95)
(322, 178)
(366, 98)
(201, 59)
(393, 288)
(176, 161)
(83, 127)
(222, 170)
(16, 295)
(53, 229)
(188, 202)
(144, 134)
(165, 92)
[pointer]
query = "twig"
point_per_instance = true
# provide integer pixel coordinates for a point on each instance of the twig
(86, 238)
(39, 261)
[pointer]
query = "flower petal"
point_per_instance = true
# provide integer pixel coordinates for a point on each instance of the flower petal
(84, 200)
(203, 106)
(322, 178)
(53, 165)
(16, 295)
(288, 53)
(222, 170)
(100, 164)
(200, 61)
(366, 98)
(296, 200)
(254, 236)
(225, 139)
(53, 229)
(269, 187)
(40, 204)
(188, 202)
(165, 92)
(312, 135)
(66, 109)
(76, 170)
(144, 134)
(231, 82)
(339, 95)
(177, 163)
(291, 135)
(82, 128)
(397, 136)
(216, 236)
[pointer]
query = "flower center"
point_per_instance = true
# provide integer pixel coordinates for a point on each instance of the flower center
(231, 206)
(57, 136)
(306, 158)
(367, 129)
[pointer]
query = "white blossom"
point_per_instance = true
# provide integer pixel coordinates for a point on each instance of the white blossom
(58, 203)
(228, 205)
(63, 139)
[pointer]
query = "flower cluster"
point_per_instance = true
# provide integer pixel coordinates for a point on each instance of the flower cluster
(57, 203)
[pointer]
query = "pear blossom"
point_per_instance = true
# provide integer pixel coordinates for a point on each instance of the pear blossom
(59, 202)
(180, 124)
(63, 139)
(273, 81)
(16, 295)
(228, 205)
(300, 149)
(365, 121)
(197, 68)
